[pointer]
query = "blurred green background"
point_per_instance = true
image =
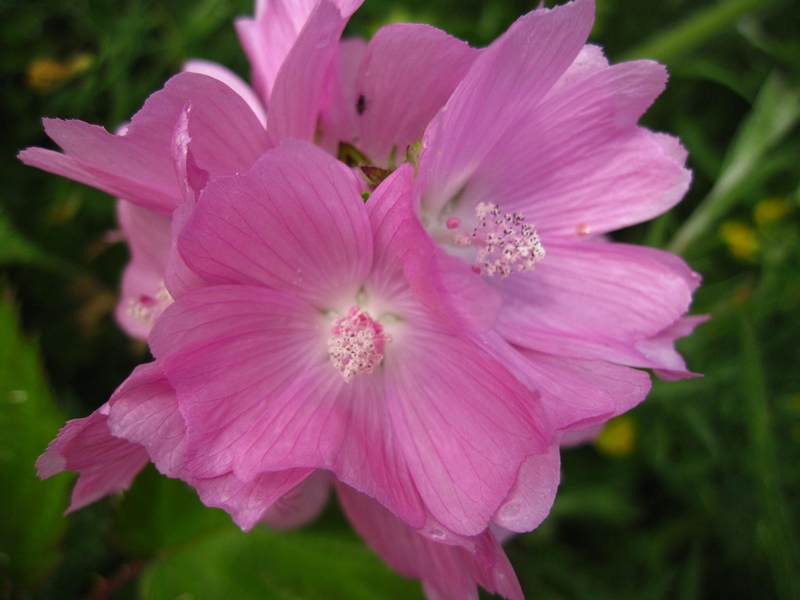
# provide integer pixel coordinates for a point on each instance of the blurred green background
(692, 495)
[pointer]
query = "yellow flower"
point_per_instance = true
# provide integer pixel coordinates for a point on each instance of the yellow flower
(618, 437)
(741, 240)
(46, 74)
(770, 210)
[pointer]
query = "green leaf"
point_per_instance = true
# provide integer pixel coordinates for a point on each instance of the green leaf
(774, 114)
(16, 249)
(705, 24)
(31, 520)
(160, 513)
(264, 564)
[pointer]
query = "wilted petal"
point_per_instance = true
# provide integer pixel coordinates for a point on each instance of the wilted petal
(106, 464)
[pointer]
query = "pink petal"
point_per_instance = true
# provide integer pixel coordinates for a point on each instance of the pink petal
(233, 81)
(530, 500)
(464, 423)
(298, 95)
(409, 72)
(448, 572)
(113, 164)
(270, 36)
(144, 410)
(302, 504)
(106, 464)
(296, 222)
(225, 347)
(405, 255)
(511, 75)
(249, 501)
(660, 349)
(590, 170)
(142, 296)
(338, 119)
(138, 166)
(258, 395)
(574, 393)
(596, 300)
(321, 421)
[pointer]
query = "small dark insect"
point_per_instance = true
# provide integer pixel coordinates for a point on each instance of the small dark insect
(361, 104)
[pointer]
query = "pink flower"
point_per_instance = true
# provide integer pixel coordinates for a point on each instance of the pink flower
(142, 421)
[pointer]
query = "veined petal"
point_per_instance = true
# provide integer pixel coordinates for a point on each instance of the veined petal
(464, 423)
(226, 350)
(296, 222)
(408, 73)
(302, 504)
(448, 572)
(406, 257)
(249, 501)
(322, 421)
(511, 75)
(233, 81)
(106, 463)
(298, 95)
(138, 165)
(576, 164)
(530, 500)
(144, 410)
(596, 301)
(268, 38)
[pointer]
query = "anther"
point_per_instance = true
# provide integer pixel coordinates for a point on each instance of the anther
(356, 343)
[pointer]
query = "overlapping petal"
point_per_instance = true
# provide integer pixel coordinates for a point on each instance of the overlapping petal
(138, 166)
(596, 301)
(295, 223)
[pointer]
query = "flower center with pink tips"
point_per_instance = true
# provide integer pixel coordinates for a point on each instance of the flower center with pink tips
(505, 242)
(356, 343)
(146, 309)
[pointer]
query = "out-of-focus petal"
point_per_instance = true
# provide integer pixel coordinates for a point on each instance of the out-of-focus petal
(408, 73)
(143, 296)
(301, 505)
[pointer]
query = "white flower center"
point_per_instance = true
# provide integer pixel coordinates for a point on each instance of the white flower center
(356, 343)
(146, 309)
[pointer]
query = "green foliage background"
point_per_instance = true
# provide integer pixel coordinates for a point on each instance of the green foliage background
(703, 501)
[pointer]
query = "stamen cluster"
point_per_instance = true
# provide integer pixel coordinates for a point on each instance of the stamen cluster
(356, 344)
(507, 241)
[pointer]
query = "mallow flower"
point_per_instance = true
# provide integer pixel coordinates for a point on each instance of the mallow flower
(298, 347)
(480, 268)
